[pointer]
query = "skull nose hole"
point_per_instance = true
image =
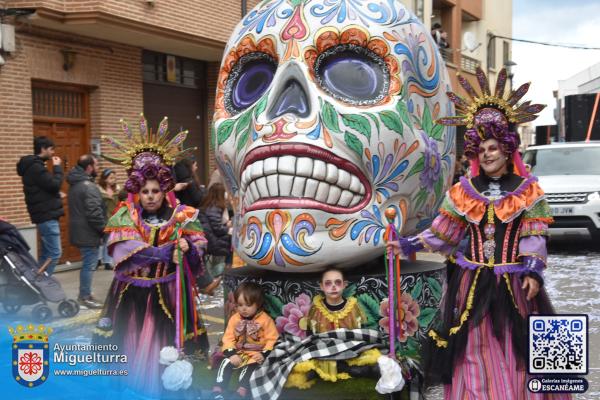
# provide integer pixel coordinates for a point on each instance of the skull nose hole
(291, 99)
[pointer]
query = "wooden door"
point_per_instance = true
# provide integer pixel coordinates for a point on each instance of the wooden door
(61, 113)
(184, 107)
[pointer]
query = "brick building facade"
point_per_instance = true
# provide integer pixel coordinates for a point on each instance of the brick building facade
(81, 65)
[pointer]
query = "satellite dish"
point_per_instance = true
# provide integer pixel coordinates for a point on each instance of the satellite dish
(470, 42)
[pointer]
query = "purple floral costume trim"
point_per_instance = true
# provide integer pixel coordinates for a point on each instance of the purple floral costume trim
(473, 193)
(410, 245)
(144, 282)
(528, 265)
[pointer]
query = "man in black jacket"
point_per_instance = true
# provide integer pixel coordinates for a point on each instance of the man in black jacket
(43, 197)
(87, 219)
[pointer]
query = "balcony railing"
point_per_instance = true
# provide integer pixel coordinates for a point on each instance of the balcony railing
(469, 64)
(446, 54)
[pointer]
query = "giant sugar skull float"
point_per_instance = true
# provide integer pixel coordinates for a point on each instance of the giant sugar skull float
(324, 118)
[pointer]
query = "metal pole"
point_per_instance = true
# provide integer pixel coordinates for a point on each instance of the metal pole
(244, 8)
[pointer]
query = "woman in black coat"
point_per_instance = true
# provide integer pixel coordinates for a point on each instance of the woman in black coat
(188, 189)
(217, 228)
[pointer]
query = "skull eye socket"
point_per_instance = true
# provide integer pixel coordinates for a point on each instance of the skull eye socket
(248, 81)
(352, 74)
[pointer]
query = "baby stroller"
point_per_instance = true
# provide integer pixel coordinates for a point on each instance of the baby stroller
(23, 282)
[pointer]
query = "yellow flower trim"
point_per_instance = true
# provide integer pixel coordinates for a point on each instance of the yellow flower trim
(532, 232)
(191, 335)
(121, 294)
(465, 314)
(153, 230)
(131, 254)
(304, 366)
(124, 238)
(444, 237)
(101, 332)
(327, 370)
(146, 278)
(161, 300)
(439, 342)
(469, 306)
(512, 295)
(368, 357)
(299, 381)
(486, 264)
(490, 220)
(334, 316)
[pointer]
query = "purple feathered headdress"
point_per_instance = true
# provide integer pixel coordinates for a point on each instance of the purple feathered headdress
(148, 156)
(491, 116)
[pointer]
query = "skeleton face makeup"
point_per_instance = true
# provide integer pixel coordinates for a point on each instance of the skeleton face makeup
(323, 119)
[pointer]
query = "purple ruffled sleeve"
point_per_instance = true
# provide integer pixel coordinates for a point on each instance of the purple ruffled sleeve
(132, 255)
(445, 234)
(195, 260)
(533, 253)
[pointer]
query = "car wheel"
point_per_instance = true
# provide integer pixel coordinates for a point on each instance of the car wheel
(595, 234)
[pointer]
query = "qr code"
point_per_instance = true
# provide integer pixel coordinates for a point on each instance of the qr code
(558, 344)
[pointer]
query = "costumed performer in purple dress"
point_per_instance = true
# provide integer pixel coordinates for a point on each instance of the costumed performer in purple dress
(480, 350)
(157, 249)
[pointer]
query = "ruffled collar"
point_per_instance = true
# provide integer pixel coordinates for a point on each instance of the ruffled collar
(334, 316)
(471, 203)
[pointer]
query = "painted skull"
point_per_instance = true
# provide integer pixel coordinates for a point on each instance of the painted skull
(323, 119)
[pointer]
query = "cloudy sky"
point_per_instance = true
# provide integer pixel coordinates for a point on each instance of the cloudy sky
(556, 21)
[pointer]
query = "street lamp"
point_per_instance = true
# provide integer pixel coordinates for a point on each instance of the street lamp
(68, 58)
(508, 64)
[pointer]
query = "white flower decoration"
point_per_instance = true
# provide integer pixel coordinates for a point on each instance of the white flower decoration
(178, 375)
(168, 355)
(391, 376)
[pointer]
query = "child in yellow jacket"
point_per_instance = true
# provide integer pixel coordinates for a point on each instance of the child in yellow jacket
(249, 337)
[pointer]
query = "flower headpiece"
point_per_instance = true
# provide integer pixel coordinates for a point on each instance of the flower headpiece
(148, 155)
(489, 115)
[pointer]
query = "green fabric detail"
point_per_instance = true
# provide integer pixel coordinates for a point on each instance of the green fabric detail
(193, 226)
(121, 219)
(540, 210)
(449, 208)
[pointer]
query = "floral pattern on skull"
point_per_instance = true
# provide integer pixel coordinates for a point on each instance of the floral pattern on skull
(323, 119)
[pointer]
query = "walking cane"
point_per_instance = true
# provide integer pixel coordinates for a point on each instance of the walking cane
(393, 280)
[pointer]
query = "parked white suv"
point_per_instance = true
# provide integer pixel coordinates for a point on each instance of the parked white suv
(569, 174)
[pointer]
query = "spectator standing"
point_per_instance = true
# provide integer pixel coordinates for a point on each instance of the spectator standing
(109, 190)
(43, 197)
(440, 36)
(215, 220)
(188, 190)
(87, 218)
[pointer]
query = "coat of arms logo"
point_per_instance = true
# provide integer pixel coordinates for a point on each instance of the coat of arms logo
(30, 359)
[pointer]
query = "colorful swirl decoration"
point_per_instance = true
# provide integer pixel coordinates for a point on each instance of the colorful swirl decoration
(265, 16)
(421, 66)
(372, 227)
(375, 12)
(387, 169)
(275, 243)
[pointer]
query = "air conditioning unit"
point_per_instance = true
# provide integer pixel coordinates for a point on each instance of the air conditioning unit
(7, 37)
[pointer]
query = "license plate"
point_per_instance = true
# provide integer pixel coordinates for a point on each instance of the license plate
(556, 211)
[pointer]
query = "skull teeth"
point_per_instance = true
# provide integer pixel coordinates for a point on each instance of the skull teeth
(300, 177)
